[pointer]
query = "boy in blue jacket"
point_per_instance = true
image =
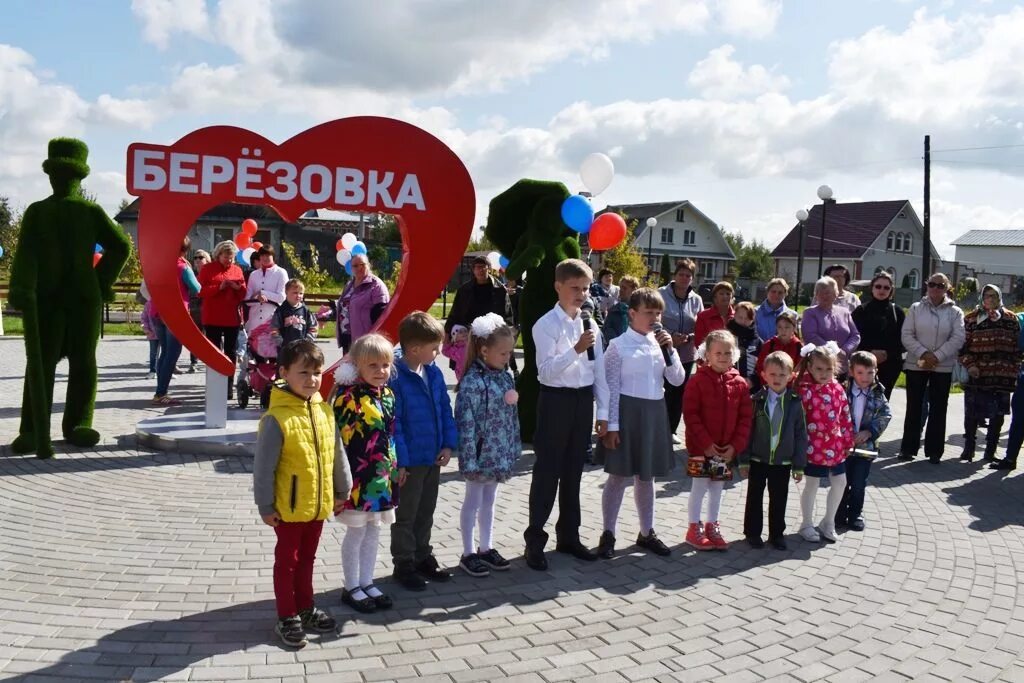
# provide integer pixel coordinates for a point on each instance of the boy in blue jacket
(425, 436)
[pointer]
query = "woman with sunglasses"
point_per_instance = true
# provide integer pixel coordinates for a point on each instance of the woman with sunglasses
(933, 335)
(880, 323)
(362, 301)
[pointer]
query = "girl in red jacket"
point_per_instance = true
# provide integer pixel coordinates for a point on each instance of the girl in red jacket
(785, 339)
(829, 437)
(717, 412)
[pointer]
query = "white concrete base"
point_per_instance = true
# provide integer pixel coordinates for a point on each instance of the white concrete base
(188, 433)
(216, 399)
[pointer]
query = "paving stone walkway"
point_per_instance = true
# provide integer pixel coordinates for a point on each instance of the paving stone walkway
(129, 565)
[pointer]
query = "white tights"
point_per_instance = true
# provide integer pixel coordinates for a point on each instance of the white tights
(713, 489)
(643, 495)
(837, 484)
(478, 506)
(359, 555)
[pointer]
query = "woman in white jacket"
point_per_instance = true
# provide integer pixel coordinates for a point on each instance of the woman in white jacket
(933, 335)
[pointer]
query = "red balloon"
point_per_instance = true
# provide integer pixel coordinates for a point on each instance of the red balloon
(249, 227)
(338, 246)
(607, 232)
(96, 258)
(257, 245)
(242, 240)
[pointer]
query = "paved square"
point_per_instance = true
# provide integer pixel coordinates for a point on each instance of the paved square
(129, 565)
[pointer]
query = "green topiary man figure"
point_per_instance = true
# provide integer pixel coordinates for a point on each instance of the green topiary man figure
(525, 223)
(61, 295)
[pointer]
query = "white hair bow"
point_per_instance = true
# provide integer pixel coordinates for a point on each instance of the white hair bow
(346, 374)
(485, 325)
(830, 347)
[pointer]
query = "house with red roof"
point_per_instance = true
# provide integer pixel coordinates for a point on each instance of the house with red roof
(866, 237)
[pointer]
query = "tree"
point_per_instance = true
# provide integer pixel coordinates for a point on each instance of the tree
(626, 259)
(481, 244)
(387, 229)
(666, 269)
(753, 259)
(314, 277)
(10, 227)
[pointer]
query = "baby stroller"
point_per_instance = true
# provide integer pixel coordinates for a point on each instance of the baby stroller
(258, 366)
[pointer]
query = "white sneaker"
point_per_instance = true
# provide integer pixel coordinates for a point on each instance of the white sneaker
(151, 375)
(808, 533)
(827, 532)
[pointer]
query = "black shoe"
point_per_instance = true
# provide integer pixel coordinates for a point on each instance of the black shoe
(535, 559)
(934, 459)
(904, 457)
(1004, 464)
(382, 601)
(967, 455)
(778, 543)
(606, 546)
(653, 543)
(289, 630)
(989, 456)
(755, 542)
(366, 604)
(577, 550)
(315, 619)
(493, 559)
(474, 566)
(407, 577)
(857, 525)
(432, 571)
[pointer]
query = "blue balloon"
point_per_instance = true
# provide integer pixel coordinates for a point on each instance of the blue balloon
(358, 248)
(348, 268)
(240, 257)
(577, 213)
(503, 261)
(1, 252)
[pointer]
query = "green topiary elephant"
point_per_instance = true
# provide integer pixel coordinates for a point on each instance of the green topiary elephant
(525, 223)
(60, 293)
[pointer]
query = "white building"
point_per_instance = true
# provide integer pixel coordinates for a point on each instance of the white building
(683, 231)
(991, 256)
(866, 237)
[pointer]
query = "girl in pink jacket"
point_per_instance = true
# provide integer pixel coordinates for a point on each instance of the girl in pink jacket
(829, 437)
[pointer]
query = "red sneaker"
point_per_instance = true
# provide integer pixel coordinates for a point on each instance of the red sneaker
(714, 536)
(695, 537)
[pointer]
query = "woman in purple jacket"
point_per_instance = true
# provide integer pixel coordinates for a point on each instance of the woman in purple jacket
(361, 302)
(826, 321)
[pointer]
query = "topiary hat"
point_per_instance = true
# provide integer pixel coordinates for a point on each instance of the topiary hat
(66, 156)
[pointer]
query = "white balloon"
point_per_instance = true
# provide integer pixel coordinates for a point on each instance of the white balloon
(247, 253)
(494, 258)
(344, 256)
(596, 172)
(348, 239)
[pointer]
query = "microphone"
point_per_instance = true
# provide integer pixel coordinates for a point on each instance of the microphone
(585, 309)
(665, 350)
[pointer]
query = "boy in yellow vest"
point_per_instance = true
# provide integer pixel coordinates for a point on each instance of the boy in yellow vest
(300, 475)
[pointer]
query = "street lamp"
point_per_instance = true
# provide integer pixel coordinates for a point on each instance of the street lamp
(801, 216)
(652, 222)
(825, 195)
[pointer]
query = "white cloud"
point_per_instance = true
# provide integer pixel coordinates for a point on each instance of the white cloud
(719, 76)
(751, 18)
(163, 18)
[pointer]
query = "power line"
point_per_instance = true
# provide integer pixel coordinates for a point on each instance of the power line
(971, 149)
(995, 164)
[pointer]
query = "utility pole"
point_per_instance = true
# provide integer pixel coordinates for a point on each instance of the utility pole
(926, 243)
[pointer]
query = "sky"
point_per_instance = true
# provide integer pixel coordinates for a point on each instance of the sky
(743, 107)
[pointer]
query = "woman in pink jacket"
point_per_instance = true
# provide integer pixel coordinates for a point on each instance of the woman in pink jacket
(360, 305)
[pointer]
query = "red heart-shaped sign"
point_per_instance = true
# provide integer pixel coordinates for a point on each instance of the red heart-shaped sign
(362, 163)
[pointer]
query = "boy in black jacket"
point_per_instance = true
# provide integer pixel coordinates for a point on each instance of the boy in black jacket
(777, 447)
(292, 320)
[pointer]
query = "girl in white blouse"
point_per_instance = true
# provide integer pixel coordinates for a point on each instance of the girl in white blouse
(638, 445)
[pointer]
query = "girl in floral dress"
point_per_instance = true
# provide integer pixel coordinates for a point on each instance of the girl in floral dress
(364, 408)
(830, 437)
(489, 442)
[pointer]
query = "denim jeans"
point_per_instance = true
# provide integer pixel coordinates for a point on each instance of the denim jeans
(852, 504)
(154, 350)
(1017, 421)
(170, 351)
